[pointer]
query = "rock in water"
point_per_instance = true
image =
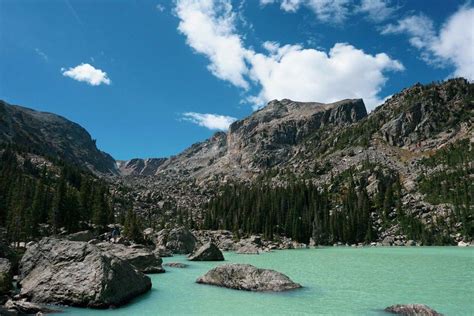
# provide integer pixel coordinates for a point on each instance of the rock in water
(176, 265)
(142, 259)
(6, 276)
(181, 241)
(247, 277)
(208, 252)
(412, 310)
(27, 308)
(78, 274)
(248, 250)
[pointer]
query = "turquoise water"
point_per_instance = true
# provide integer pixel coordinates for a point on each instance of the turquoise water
(337, 281)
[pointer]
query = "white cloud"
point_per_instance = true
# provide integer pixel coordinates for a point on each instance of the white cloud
(282, 71)
(87, 73)
(334, 11)
(40, 53)
(210, 121)
(159, 7)
(312, 75)
(377, 10)
(419, 27)
(209, 27)
(337, 11)
(453, 45)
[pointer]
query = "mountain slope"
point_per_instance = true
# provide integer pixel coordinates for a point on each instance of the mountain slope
(52, 135)
(339, 149)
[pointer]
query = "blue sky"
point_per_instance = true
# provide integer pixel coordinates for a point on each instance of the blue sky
(148, 78)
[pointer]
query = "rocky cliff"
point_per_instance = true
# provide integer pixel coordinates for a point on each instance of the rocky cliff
(324, 144)
(52, 135)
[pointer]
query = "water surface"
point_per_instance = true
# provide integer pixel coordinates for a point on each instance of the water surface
(336, 280)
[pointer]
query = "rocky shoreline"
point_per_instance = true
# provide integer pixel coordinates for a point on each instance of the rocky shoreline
(87, 270)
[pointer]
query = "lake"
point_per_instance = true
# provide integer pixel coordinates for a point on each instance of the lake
(336, 281)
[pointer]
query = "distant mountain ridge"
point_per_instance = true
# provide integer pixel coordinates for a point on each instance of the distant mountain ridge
(52, 135)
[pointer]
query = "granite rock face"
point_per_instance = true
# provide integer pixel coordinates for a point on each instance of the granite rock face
(412, 310)
(247, 277)
(6, 276)
(207, 252)
(180, 241)
(138, 166)
(78, 274)
(142, 259)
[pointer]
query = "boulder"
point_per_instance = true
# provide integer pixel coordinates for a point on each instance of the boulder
(388, 241)
(207, 252)
(247, 277)
(176, 265)
(181, 241)
(55, 271)
(410, 243)
(162, 252)
(85, 235)
(463, 244)
(412, 310)
(248, 250)
(6, 276)
(23, 307)
(141, 258)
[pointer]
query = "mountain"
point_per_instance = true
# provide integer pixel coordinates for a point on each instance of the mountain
(52, 135)
(339, 148)
(138, 166)
(330, 172)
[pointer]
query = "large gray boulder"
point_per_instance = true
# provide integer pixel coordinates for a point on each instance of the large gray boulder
(76, 273)
(412, 310)
(207, 252)
(6, 276)
(180, 241)
(247, 277)
(142, 259)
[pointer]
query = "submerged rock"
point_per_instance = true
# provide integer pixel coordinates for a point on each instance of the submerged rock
(6, 276)
(247, 277)
(141, 258)
(76, 273)
(176, 265)
(207, 252)
(412, 310)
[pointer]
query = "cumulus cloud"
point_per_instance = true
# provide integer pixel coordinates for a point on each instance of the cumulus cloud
(337, 11)
(210, 121)
(87, 73)
(209, 27)
(312, 75)
(377, 10)
(281, 71)
(452, 45)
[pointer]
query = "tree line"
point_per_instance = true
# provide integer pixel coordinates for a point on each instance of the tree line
(37, 201)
